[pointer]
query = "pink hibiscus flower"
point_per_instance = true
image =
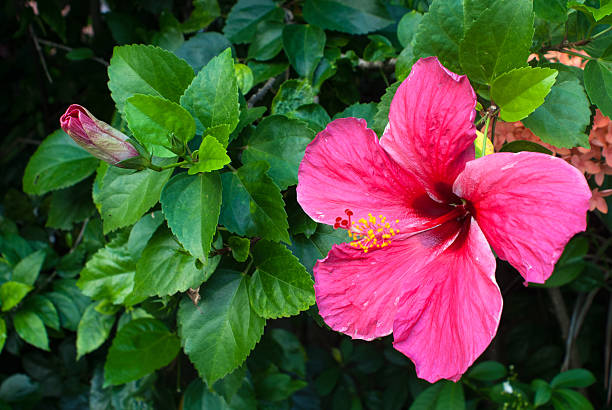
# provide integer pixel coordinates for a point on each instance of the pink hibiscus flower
(423, 214)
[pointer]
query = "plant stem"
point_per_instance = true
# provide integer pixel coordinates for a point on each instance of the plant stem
(601, 33)
(583, 56)
(176, 164)
(486, 130)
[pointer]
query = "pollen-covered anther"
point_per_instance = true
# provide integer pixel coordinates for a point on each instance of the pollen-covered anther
(372, 233)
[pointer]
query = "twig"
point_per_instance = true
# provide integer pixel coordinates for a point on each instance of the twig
(580, 311)
(560, 310)
(66, 48)
(79, 236)
(261, 92)
(40, 54)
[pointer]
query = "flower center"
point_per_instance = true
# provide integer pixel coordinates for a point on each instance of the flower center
(374, 232)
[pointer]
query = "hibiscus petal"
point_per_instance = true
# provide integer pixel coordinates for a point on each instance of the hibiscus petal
(344, 167)
(431, 130)
(450, 308)
(358, 293)
(528, 205)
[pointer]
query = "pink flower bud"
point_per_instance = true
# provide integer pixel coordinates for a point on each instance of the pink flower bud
(97, 137)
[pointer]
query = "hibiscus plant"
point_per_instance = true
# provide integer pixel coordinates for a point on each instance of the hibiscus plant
(309, 204)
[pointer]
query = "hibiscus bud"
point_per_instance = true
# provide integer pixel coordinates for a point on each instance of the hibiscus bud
(97, 137)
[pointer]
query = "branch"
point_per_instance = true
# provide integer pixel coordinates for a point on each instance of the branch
(261, 92)
(66, 48)
(40, 54)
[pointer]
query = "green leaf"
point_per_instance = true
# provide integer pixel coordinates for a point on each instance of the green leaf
(543, 392)
(347, 16)
(573, 378)
(440, 33)
(219, 333)
(201, 48)
(280, 286)
(240, 247)
(314, 115)
(204, 13)
(597, 14)
(291, 95)
(27, 270)
(570, 265)
(244, 17)
(155, 121)
(381, 119)
(551, 10)
(109, 274)
(264, 71)
(191, 204)
(520, 91)
(365, 111)
(143, 231)
(212, 97)
(281, 142)
(127, 194)
(141, 69)
(315, 247)
(69, 206)
(45, 309)
(3, 333)
(304, 46)
(69, 302)
(562, 119)
(244, 77)
(407, 27)
(564, 399)
(379, 48)
(252, 204)
(522, 145)
(199, 397)
(57, 163)
(268, 41)
(93, 330)
(11, 293)
(487, 371)
(598, 84)
(498, 41)
(212, 155)
(166, 268)
(31, 328)
(140, 347)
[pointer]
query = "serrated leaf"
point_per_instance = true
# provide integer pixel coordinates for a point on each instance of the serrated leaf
(155, 120)
(27, 270)
(242, 21)
(109, 274)
(31, 328)
(219, 333)
(94, 328)
(573, 378)
(314, 115)
(142, 69)
(347, 16)
(191, 204)
(212, 155)
(204, 13)
(11, 293)
(520, 91)
(598, 84)
(310, 249)
(142, 231)
(440, 32)
(201, 48)
(69, 302)
(498, 41)
(69, 206)
(562, 119)
(597, 14)
(57, 163)
(551, 10)
(252, 204)
(240, 247)
(212, 96)
(244, 77)
(127, 194)
(407, 27)
(140, 347)
(166, 268)
(365, 111)
(291, 95)
(281, 142)
(268, 41)
(304, 46)
(280, 286)
(45, 309)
